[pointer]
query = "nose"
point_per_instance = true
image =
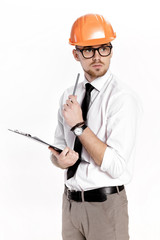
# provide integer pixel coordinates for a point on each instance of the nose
(96, 55)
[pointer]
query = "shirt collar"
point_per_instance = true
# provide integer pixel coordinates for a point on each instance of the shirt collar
(99, 82)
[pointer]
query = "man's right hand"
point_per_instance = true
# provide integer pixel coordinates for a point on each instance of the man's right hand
(66, 158)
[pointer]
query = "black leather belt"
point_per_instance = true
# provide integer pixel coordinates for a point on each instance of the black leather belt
(95, 195)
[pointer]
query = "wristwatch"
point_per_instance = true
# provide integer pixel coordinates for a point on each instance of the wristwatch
(79, 130)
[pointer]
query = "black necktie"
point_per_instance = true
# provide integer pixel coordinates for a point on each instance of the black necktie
(77, 145)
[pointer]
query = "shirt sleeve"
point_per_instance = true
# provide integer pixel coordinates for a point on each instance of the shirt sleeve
(59, 140)
(121, 132)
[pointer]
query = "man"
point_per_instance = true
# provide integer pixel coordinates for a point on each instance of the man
(97, 129)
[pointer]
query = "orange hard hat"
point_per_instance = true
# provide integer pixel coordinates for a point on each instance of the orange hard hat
(91, 29)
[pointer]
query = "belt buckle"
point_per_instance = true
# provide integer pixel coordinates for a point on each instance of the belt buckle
(82, 196)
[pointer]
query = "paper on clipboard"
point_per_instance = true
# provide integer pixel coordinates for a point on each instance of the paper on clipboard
(36, 139)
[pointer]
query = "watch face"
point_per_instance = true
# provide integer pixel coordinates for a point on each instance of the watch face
(78, 131)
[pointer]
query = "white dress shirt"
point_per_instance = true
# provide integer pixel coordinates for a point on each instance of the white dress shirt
(113, 116)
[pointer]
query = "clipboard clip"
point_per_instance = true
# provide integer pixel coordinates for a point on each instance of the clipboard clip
(24, 134)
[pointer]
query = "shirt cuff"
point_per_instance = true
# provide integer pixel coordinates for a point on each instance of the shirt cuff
(107, 159)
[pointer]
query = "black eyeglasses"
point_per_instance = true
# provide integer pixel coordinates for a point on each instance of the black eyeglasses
(89, 52)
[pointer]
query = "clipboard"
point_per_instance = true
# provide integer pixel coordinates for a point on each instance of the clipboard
(36, 139)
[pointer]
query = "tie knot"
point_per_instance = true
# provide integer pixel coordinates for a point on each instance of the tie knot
(89, 87)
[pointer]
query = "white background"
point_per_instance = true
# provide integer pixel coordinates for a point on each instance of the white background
(36, 66)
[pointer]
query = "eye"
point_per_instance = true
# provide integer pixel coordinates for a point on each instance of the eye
(103, 49)
(89, 50)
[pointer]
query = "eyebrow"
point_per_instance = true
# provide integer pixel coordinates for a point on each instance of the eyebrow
(91, 47)
(86, 47)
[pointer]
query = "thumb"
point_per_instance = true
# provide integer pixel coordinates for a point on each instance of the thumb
(55, 153)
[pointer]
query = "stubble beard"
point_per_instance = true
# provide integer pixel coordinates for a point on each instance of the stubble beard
(95, 74)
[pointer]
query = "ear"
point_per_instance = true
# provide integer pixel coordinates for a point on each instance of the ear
(75, 54)
(111, 53)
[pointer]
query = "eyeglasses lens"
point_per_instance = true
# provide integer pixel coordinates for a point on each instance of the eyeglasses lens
(103, 51)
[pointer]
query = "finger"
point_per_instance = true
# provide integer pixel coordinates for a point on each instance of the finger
(73, 154)
(55, 153)
(65, 151)
(69, 102)
(73, 98)
(65, 107)
(70, 99)
(76, 154)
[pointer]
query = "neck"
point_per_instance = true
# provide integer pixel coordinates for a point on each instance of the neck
(89, 77)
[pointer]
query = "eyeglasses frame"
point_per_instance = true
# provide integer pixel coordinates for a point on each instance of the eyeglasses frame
(95, 49)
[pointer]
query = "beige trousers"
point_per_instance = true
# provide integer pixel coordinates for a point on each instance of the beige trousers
(106, 220)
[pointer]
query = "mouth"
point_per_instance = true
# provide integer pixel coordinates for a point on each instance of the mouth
(97, 65)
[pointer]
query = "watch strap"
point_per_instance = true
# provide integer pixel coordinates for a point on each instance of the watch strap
(84, 126)
(77, 125)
